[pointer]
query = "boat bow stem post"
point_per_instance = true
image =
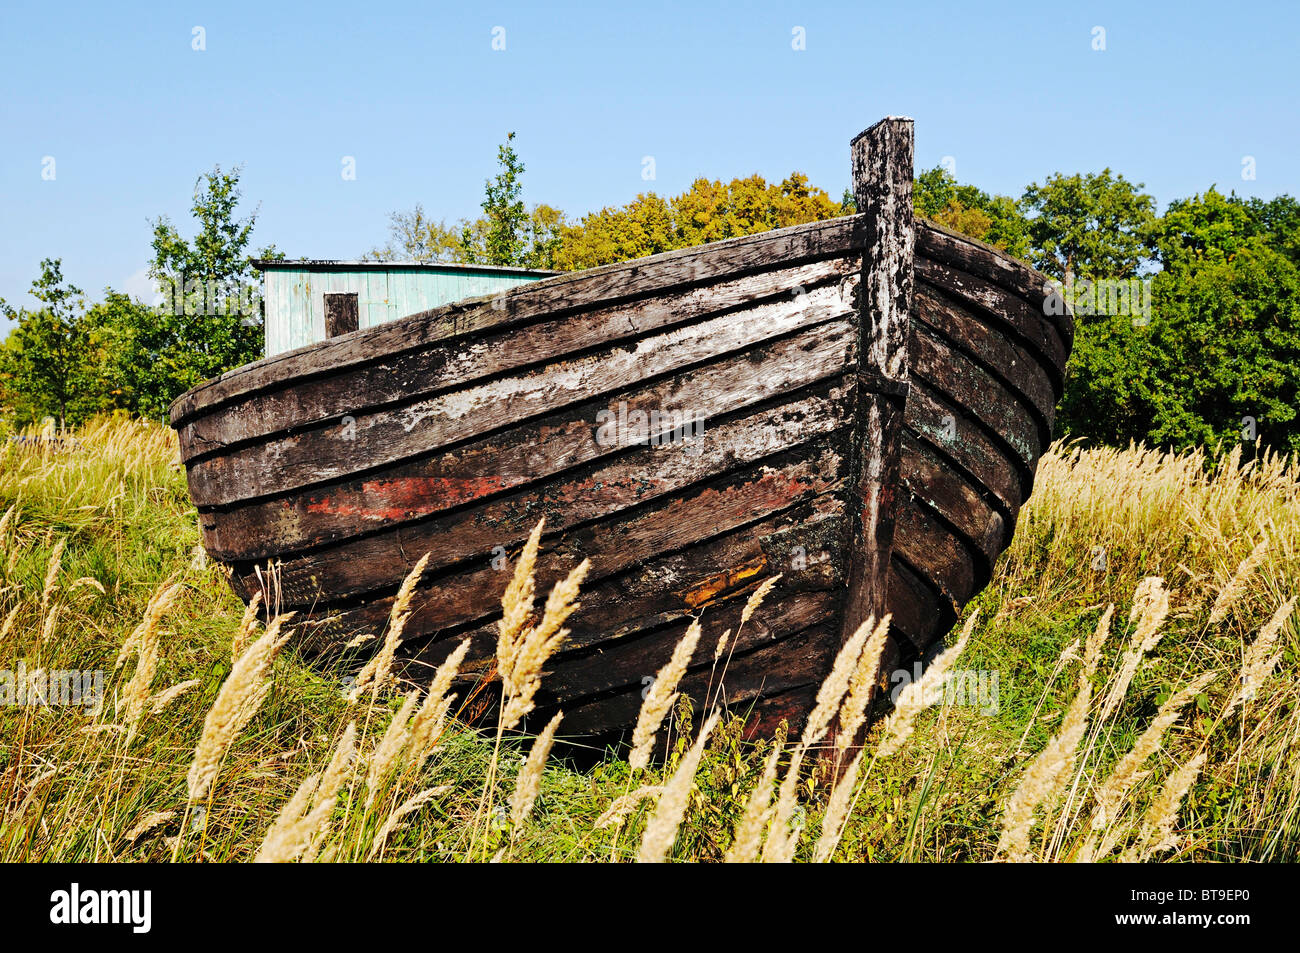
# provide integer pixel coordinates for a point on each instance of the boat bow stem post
(882, 188)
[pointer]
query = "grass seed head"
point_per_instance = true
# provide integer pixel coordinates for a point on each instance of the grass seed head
(529, 782)
(661, 696)
(237, 701)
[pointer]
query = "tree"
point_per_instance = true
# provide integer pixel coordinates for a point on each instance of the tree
(1278, 219)
(143, 369)
(210, 321)
(642, 227)
(413, 237)
(994, 219)
(506, 234)
(49, 360)
(504, 242)
(1209, 227)
(1088, 226)
(708, 211)
(543, 235)
(1110, 383)
(1223, 344)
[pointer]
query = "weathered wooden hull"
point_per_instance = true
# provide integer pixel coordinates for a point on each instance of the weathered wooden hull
(452, 432)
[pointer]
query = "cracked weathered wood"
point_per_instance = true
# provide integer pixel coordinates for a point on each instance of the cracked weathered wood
(882, 187)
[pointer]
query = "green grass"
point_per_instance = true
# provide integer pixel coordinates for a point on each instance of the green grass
(71, 788)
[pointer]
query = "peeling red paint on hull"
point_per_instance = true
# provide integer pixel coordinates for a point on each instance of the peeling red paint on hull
(390, 500)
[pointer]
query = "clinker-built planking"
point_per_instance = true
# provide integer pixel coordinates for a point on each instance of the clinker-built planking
(876, 393)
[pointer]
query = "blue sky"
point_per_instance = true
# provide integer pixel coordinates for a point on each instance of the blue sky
(131, 113)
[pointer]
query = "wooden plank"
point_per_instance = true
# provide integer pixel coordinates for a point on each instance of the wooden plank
(932, 548)
(275, 301)
(298, 328)
(920, 612)
(551, 296)
(929, 478)
(984, 400)
(634, 597)
(626, 663)
(1016, 313)
(995, 266)
(518, 457)
(1010, 363)
(933, 419)
(357, 566)
(406, 377)
(388, 436)
(671, 559)
(882, 185)
(796, 662)
(375, 310)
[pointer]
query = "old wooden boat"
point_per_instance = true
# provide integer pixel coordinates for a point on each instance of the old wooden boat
(875, 391)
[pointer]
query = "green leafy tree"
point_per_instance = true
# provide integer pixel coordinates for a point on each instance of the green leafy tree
(1088, 226)
(506, 234)
(1204, 228)
(210, 321)
(1279, 219)
(143, 369)
(642, 227)
(1227, 339)
(50, 361)
(504, 242)
(1223, 343)
(544, 232)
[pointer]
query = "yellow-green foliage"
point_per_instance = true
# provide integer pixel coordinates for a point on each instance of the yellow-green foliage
(707, 212)
(100, 563)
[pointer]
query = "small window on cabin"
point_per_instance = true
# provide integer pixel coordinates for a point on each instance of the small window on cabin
(341, 314)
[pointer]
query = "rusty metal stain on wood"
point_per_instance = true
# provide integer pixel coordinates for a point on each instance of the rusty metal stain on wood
(707, 590)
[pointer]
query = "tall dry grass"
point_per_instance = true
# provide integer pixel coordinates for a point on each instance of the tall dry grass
(1142, 627)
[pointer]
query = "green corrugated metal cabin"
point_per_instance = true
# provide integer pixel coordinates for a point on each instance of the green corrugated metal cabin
(294, 294)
